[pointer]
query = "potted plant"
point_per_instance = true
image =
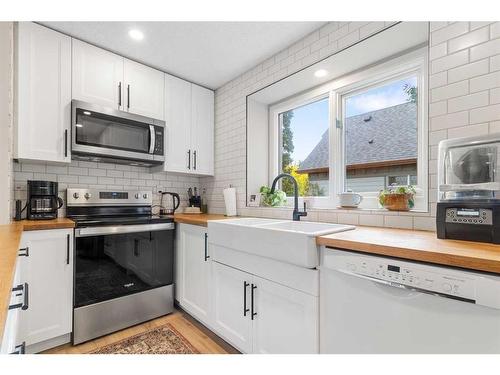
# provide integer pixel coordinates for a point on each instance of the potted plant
(397, 198)
(278, 198)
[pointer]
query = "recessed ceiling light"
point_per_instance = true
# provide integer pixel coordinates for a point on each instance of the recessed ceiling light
(87, 113)
(320, 73)
(79, 125)
(136, 34)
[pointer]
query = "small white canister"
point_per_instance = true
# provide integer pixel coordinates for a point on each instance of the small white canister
(350, 199)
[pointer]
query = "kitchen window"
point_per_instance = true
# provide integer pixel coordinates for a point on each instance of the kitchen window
(364, 132)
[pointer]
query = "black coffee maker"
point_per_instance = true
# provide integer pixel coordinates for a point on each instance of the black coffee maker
(43, 201)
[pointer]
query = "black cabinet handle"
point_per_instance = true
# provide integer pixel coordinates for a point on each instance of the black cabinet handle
(26, 252)
(25, 292)
(128, 96)
(26, 297)
(67, 248)
(189, 159)
(119, 95)
(206, 247)
(253, 313)
(66, 143)
(20, 349)
(194, 155)
(245, 309)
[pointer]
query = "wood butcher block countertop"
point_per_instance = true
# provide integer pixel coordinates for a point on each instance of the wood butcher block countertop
(417, 245)
(10, 235)
(197, 219)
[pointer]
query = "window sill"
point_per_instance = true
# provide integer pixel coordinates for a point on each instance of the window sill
(345, 210)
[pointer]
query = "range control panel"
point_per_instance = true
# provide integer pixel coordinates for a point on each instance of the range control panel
(413, 275)
(474, 216)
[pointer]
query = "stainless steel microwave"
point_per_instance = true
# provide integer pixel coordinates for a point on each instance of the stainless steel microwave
(109, 135)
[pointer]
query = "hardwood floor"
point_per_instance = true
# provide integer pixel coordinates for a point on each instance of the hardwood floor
(205, 341)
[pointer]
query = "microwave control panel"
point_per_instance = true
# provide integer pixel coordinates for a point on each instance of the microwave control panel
(158, 142)
(473, 216)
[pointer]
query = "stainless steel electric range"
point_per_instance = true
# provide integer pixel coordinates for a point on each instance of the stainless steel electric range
(124, 259)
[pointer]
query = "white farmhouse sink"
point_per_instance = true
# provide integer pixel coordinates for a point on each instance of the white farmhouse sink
(287, 241)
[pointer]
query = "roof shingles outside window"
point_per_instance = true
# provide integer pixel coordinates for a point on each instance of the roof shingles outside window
(384, 137)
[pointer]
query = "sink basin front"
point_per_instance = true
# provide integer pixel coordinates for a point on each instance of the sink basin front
(283, 240)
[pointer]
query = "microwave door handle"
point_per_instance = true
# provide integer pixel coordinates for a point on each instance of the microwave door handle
(152, 137)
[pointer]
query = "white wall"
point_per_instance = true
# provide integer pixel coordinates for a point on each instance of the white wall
(6, 76)
(464, 99)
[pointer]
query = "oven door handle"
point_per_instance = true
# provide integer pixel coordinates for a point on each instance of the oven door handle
(121, 229)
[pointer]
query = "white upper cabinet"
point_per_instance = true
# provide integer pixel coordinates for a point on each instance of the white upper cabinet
(178, 124)
(104, 78)
(189, 116)
(43, 102)
(202, 130)
(144, 90)
(97, 76)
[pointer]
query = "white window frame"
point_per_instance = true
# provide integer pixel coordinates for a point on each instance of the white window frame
(409, 64)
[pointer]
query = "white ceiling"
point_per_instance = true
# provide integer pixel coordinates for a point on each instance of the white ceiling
(207, 53)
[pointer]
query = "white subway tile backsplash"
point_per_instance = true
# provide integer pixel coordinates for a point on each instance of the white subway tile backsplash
(495, 30)
(438, 51)
(468, 71)
(485, 114)
(450, 61)
(451, 120)
(401, 222)
(495, 96)
(487, 49)
(438, 79)
(450, 91)
(468, 40)
(451, 31)
(495, 63)
(468, 131)
(485, 82)
(461, 103)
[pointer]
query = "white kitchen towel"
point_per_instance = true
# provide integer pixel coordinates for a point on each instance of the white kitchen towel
(230, 201)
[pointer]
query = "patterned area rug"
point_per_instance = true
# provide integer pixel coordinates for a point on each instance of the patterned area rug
(162, 340)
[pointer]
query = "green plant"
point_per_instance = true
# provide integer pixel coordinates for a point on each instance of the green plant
(278, 198)
(407, 190)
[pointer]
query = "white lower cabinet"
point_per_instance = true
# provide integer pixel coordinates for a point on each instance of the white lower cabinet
(48, 272)
(11, 342)
(260, 316)
(231, 306)
(193, 271)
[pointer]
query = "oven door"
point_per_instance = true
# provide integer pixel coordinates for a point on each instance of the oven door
(111, 133)
(112, 262)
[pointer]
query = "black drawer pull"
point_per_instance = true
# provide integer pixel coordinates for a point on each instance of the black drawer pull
(24, 252)
(245, 309)
(24, 288)
(206, 247)
(253, 313)
(20, 349)
(67, 248)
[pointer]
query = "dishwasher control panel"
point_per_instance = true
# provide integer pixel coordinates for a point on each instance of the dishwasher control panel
(413, 275)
